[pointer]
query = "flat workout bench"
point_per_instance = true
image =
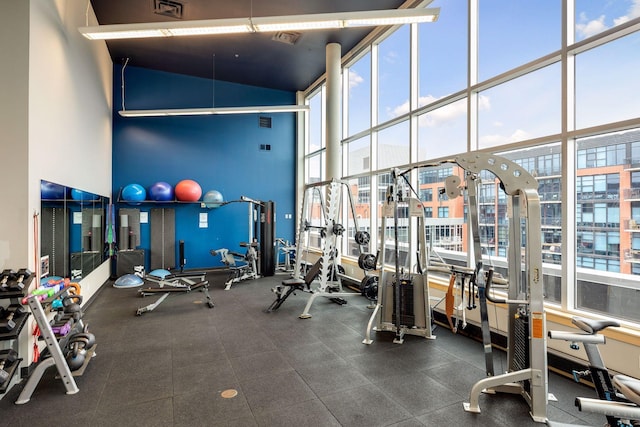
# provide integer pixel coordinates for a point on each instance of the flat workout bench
(289, 286)
(175, 283)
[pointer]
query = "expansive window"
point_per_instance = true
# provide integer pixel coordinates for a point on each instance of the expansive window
(607, 82)
(358, 156)
(594, 17)
(393, 75)
(605, 229)
(504, 117)
(442, 53)
(513, 33)
(423, 94)
(315, 129)
(393, 146)
(443, 131)
(359, 95)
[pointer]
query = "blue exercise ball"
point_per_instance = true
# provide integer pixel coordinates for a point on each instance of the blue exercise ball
(51, 191)
(161, 192)
(134, 194)
(82, 196)
(213, 199)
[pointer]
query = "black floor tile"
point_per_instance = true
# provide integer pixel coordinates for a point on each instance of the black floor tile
(169, 367)
(311, 413)
(365, 406)
(276, 391)
(156, 413)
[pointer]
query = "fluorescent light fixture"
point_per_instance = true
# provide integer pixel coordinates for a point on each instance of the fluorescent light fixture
(216, 110)
(261, 24)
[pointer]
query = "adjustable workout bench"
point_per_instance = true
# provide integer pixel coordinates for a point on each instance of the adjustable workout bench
(174, 283)
(289, 286)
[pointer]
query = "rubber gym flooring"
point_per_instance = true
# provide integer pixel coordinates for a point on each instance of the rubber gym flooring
(169, 367)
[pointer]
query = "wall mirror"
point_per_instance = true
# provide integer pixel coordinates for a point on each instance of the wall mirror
(72, 236)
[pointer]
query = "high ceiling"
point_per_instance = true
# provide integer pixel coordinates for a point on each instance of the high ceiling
(253, 59)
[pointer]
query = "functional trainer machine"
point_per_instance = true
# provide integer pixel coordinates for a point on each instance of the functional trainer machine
(260, 257)
(403, 294)
(527, 345)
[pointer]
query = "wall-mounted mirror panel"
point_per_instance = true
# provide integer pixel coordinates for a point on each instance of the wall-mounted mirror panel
(72, 239)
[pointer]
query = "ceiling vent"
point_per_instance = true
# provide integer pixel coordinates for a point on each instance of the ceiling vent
(169, 8)
(287, 37)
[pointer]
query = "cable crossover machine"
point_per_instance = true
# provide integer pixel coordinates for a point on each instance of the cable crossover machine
(403, 295)
(526, 323)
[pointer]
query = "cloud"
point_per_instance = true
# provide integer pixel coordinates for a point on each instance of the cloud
(592, 27)
(633, 12)
(441, 115)
(391, 57)
(586, 27)
(355, 79)
(497, 139)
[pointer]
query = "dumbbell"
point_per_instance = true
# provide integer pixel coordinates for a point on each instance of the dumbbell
(21, 276)
(8, 357)
(7, 324)
(5, 276)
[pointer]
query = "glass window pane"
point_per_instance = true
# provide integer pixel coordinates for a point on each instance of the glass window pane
(360, 193)
(593, 17)
(359, 112)
(443, 132)
(524, 108)
(445, 225)
(607, 83)
(393, 146)
(359, 156)
(393, 75)
(604, 238)
(507, 29)
(544, 163)
(442, 52)
(315, 168)
(315, 132)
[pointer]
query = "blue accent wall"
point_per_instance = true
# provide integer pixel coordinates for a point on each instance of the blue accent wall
(220, 152)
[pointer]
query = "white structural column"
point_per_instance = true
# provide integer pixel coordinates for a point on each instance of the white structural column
(332, 122)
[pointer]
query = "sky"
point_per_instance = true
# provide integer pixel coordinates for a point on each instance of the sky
(521, 109)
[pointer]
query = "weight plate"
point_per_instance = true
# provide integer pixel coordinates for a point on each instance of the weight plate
(362, 237)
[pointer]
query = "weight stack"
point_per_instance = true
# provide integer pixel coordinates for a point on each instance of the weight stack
(406, 297)
(521, 345)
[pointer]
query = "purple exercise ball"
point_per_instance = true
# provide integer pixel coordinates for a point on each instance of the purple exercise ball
(161, 192)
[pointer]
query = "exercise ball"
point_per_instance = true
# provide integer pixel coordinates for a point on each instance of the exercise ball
(51, 191)
(82, 196)
(134, 193)
(188, 190)
(161, 192)
(212, 199)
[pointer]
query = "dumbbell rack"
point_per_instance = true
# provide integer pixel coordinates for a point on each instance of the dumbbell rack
(21, 321)
(56, 357)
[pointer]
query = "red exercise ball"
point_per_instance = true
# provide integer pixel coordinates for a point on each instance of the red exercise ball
(188, 190)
